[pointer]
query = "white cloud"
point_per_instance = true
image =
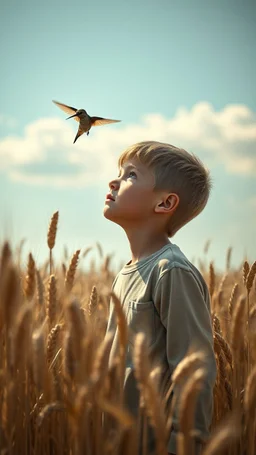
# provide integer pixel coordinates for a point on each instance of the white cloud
(45, 154)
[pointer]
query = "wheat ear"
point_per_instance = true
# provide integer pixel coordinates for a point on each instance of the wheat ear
(51, 237)
(225, 348)
(250, 277)
(52, 341)
(246, 269)
(70, 275)
(93, 301)
(30, 281)
(6, 255)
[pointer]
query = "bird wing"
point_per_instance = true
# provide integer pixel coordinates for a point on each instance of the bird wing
(67, 109)
(98, 121)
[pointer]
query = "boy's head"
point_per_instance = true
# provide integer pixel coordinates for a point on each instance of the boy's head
(165, 171)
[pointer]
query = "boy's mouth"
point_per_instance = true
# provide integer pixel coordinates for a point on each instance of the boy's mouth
(109, 197)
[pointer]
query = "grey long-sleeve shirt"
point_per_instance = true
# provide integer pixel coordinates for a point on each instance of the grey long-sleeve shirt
(166, 297)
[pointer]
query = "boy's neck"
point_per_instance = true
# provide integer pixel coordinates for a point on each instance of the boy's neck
(143, 244)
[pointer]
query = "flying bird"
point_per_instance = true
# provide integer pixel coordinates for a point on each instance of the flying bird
(84, 119)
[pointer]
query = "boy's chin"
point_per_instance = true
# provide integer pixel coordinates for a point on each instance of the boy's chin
(110, 216)
(107, 213)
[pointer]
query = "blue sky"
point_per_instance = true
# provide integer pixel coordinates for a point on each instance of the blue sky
(178, 71)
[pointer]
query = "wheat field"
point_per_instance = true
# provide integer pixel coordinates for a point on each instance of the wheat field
(60, 396)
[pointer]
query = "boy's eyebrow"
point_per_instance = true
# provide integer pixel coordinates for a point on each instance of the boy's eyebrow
(130, 166)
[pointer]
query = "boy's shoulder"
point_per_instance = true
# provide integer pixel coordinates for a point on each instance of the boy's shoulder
(170, 257)
(173, 258)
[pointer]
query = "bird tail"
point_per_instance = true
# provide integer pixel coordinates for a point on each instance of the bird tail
(79, 133)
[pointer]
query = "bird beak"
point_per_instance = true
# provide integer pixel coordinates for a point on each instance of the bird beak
(75, 115)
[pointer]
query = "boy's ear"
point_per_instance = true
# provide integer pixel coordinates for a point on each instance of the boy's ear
(168, 204)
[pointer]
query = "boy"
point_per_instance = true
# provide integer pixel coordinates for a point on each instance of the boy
(159, 189)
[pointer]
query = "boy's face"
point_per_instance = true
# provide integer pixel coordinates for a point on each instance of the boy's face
(132, 198)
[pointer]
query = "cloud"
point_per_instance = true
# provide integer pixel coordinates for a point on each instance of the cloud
(45, 155)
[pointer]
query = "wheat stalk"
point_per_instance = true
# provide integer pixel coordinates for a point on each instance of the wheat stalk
(39, 361)
(232, 299)
(225, 437)
(187, 407)
(228, 258)
(151, 397)
(51, 305)
(211, 279)
(122, 336)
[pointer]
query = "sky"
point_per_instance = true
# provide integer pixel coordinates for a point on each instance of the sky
(175, 71)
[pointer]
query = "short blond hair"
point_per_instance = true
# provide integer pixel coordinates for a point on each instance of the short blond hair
(175, 171)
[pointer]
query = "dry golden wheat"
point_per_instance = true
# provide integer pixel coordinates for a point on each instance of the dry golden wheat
(61, 394)
(51, 305)
(30, 283)
(51, 237)
(70, 275)
(250, 277)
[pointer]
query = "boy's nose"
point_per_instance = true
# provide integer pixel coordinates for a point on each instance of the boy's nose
(113, 185)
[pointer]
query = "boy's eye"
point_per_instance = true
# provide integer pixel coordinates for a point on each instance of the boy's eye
(132, 174)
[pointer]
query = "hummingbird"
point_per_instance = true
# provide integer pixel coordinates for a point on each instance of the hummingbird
(84, 119)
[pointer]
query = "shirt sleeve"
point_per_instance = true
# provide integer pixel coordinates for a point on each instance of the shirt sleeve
(183, 307)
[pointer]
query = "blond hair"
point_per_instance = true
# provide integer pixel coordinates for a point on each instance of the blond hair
(175, 171)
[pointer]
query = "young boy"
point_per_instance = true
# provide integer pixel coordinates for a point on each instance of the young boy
(159, 189)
